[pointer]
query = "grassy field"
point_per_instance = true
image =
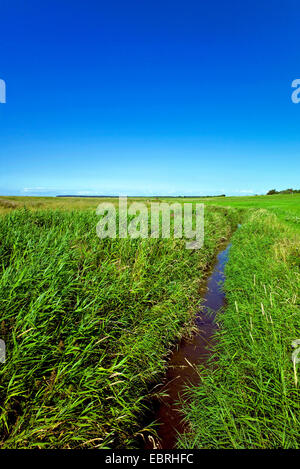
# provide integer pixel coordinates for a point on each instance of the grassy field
(285, 206)
(89, 325)
(251, 399)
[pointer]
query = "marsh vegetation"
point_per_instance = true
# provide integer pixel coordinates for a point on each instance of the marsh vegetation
(89, 326)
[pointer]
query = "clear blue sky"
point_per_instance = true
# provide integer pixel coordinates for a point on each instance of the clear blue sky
(149, 97)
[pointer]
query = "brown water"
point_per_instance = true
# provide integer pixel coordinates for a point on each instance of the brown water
(191, 352)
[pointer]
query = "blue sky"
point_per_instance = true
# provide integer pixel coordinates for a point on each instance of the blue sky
(149, 97)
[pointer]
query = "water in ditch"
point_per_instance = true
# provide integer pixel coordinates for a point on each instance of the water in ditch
(182, 365)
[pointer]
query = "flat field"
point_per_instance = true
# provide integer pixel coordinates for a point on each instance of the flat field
(88, 325)
(285, 206)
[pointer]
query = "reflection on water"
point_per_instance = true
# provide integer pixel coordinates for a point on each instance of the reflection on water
(190, 352)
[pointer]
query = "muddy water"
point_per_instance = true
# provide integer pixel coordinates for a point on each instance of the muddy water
(190, 353)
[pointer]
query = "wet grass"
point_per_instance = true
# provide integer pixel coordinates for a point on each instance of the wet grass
(88, 324)
(250, 398)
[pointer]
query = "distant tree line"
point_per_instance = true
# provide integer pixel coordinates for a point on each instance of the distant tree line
(286, 191)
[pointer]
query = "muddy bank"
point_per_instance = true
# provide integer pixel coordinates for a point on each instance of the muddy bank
(190, 352)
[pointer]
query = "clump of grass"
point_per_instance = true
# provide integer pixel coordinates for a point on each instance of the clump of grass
(251, 399)
(8, 204)
(88, 325)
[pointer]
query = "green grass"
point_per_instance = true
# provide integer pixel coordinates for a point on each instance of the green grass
(250, 398)
(286, 206)
(88, 324)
